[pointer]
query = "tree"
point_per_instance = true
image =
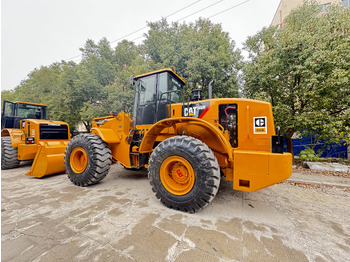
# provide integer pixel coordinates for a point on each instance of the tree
(101, 50)
(100, 83)
(40, 85)
(107, 81)
(199, 52)
(67, 99)
(126, 53)
(303, 69)
(7, 95)
(95, 71)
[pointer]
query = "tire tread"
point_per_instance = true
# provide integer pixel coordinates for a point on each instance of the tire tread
(9, 154)
(209, 168)
(99, 154)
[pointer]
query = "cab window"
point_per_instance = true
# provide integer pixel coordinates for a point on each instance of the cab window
(9, 109)
(174, 84)
(147, 87)
(168, 83)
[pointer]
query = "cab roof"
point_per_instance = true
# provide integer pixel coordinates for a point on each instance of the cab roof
(28, 103)
(161, 71)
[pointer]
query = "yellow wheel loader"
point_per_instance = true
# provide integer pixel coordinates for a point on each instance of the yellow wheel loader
(26, 134)
(186, 146)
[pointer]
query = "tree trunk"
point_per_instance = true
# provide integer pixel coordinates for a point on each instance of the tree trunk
(289, 141)
(87, 126)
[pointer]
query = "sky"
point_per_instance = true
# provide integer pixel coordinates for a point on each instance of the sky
(37, 33)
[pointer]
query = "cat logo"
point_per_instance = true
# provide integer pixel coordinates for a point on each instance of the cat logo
(260, 125)
(195, 110)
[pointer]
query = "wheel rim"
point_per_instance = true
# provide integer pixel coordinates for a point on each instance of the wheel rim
(177, 175)
(78, 160)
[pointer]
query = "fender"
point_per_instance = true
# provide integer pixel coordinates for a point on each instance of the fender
(197, 128)
(15, 134)
(107, 135)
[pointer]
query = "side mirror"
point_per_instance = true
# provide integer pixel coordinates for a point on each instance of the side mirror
(132, 82)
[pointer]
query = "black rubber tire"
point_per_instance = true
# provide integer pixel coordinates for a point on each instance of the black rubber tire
(98, 156)
(9, 154)
(205, 166)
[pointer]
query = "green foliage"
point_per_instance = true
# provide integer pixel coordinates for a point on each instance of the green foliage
(126, 53)
(7, 95)
(99, 84)
(309, 154)
(303, 69)
(199, 52)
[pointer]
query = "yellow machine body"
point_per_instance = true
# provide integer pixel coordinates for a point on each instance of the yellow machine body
(43, 141)
(187, 146)
(246, 159)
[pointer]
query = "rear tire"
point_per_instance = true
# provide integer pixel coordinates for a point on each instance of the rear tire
(9, 154)
(184, 173)
(87, 159)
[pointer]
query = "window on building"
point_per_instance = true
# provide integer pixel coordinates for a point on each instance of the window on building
(325, 7)
(346, 3)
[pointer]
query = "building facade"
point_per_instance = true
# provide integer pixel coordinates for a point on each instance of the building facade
(285, 6)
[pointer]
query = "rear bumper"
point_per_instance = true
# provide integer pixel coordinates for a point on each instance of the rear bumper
(254, 170)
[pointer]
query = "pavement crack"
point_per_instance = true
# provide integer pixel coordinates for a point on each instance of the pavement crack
(44, 237)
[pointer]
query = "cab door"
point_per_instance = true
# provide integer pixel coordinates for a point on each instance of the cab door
(8, 115)
(145, 100)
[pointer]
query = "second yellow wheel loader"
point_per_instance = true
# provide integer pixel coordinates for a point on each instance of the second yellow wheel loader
(26, 134)
(186, 146)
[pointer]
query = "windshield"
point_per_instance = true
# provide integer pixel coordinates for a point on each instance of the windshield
(31, 111)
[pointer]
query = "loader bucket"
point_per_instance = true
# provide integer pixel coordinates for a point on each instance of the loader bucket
(49, 159)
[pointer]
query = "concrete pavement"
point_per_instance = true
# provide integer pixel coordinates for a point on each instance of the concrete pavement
(321, 180)
(120, 219)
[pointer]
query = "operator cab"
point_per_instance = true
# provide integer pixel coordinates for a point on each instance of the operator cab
(154, 93)
(13, 113)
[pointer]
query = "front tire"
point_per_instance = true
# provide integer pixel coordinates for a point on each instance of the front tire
(184, 173)
(87, 159)
(9, 154)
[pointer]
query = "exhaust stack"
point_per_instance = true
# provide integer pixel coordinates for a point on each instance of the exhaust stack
(210, 89)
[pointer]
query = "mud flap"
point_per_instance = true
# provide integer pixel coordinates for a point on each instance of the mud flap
(48, 160)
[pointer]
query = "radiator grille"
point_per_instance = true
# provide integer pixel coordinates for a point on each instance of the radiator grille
(53, 131)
